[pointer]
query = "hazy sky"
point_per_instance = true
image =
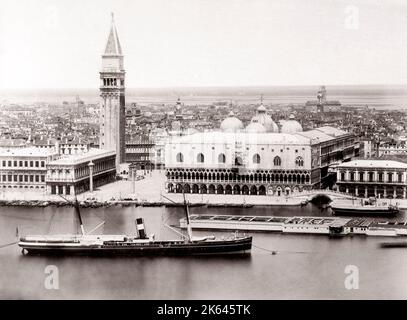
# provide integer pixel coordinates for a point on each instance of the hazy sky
(47, 44)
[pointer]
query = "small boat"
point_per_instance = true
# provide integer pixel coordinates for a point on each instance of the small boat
(398, 244)
(365, 207)
(137, 245)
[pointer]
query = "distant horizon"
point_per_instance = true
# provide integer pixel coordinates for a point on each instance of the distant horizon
(378, 96)
(215, 86)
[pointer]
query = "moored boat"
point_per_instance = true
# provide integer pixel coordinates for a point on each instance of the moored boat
(365, 207)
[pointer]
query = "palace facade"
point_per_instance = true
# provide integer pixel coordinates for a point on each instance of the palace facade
(261, 159)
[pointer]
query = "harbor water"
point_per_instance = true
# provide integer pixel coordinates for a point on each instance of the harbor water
(304, 266)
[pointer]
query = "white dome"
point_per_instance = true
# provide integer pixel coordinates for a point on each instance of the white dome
(231, 123)
(264, 119)
(291, 126)
(255, 127)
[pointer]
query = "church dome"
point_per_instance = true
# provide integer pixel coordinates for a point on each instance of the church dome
(261, 109)
(231, 123)
(265, 120)
(291, 125)
(255, 127)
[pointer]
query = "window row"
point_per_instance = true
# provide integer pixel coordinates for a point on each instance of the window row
(23, 164)
(299, 161)
(22, 178)
(381, 177)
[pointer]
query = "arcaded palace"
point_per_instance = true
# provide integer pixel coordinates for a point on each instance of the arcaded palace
(261, 159)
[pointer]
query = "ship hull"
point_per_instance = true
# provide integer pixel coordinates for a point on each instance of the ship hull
(152, 249)
(364, 211)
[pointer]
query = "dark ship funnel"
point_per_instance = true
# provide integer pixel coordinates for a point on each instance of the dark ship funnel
(140, 228)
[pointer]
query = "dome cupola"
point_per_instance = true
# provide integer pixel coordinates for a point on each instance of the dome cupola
(291, 125)
(231, 123)
(264, 119)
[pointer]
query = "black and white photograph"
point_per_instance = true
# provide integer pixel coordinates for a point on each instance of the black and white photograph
(176, 150)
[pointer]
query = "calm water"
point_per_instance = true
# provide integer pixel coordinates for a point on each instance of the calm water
(306, 266)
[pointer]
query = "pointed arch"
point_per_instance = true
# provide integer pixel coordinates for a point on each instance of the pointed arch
(256, 158)
(228, 189)
(211, 189)
(299, 161)
(200, 158)
(180, 157)
(219, 189)
(221, 158)
(236, 189)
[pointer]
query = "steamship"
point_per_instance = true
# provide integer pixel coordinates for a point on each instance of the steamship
(137, 245)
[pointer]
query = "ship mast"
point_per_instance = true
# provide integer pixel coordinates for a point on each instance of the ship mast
(189, 229)
(77, 211)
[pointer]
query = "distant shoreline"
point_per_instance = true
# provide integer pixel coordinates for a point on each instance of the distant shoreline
(378, 96)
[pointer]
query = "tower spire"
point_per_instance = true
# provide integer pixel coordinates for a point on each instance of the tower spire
(113, 47)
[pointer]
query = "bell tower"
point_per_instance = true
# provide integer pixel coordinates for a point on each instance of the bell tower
(112, 93)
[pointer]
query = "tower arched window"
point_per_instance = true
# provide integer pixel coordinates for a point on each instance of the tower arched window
(200, 158)
(277, 161)
(256, 158)
(221, 158)
(299, 162)
(180, 157)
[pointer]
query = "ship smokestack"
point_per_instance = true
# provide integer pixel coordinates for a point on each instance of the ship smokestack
(141, 230)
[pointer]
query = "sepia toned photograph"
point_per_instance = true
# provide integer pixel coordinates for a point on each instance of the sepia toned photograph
(177, 150)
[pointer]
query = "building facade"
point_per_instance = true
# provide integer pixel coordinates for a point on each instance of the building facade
(392, 149)
(253, 161)
(81, 172)
(140, 152)
(373, 178)
(112, 93)
(24, 169)
(65, 145)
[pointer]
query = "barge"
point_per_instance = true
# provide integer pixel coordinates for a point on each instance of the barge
(333, 226)
(365, 207)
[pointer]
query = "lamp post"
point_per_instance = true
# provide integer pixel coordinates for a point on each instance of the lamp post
(91, 165)
(132, 171)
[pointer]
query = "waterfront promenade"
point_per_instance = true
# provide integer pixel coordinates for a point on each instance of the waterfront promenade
(150, 191)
